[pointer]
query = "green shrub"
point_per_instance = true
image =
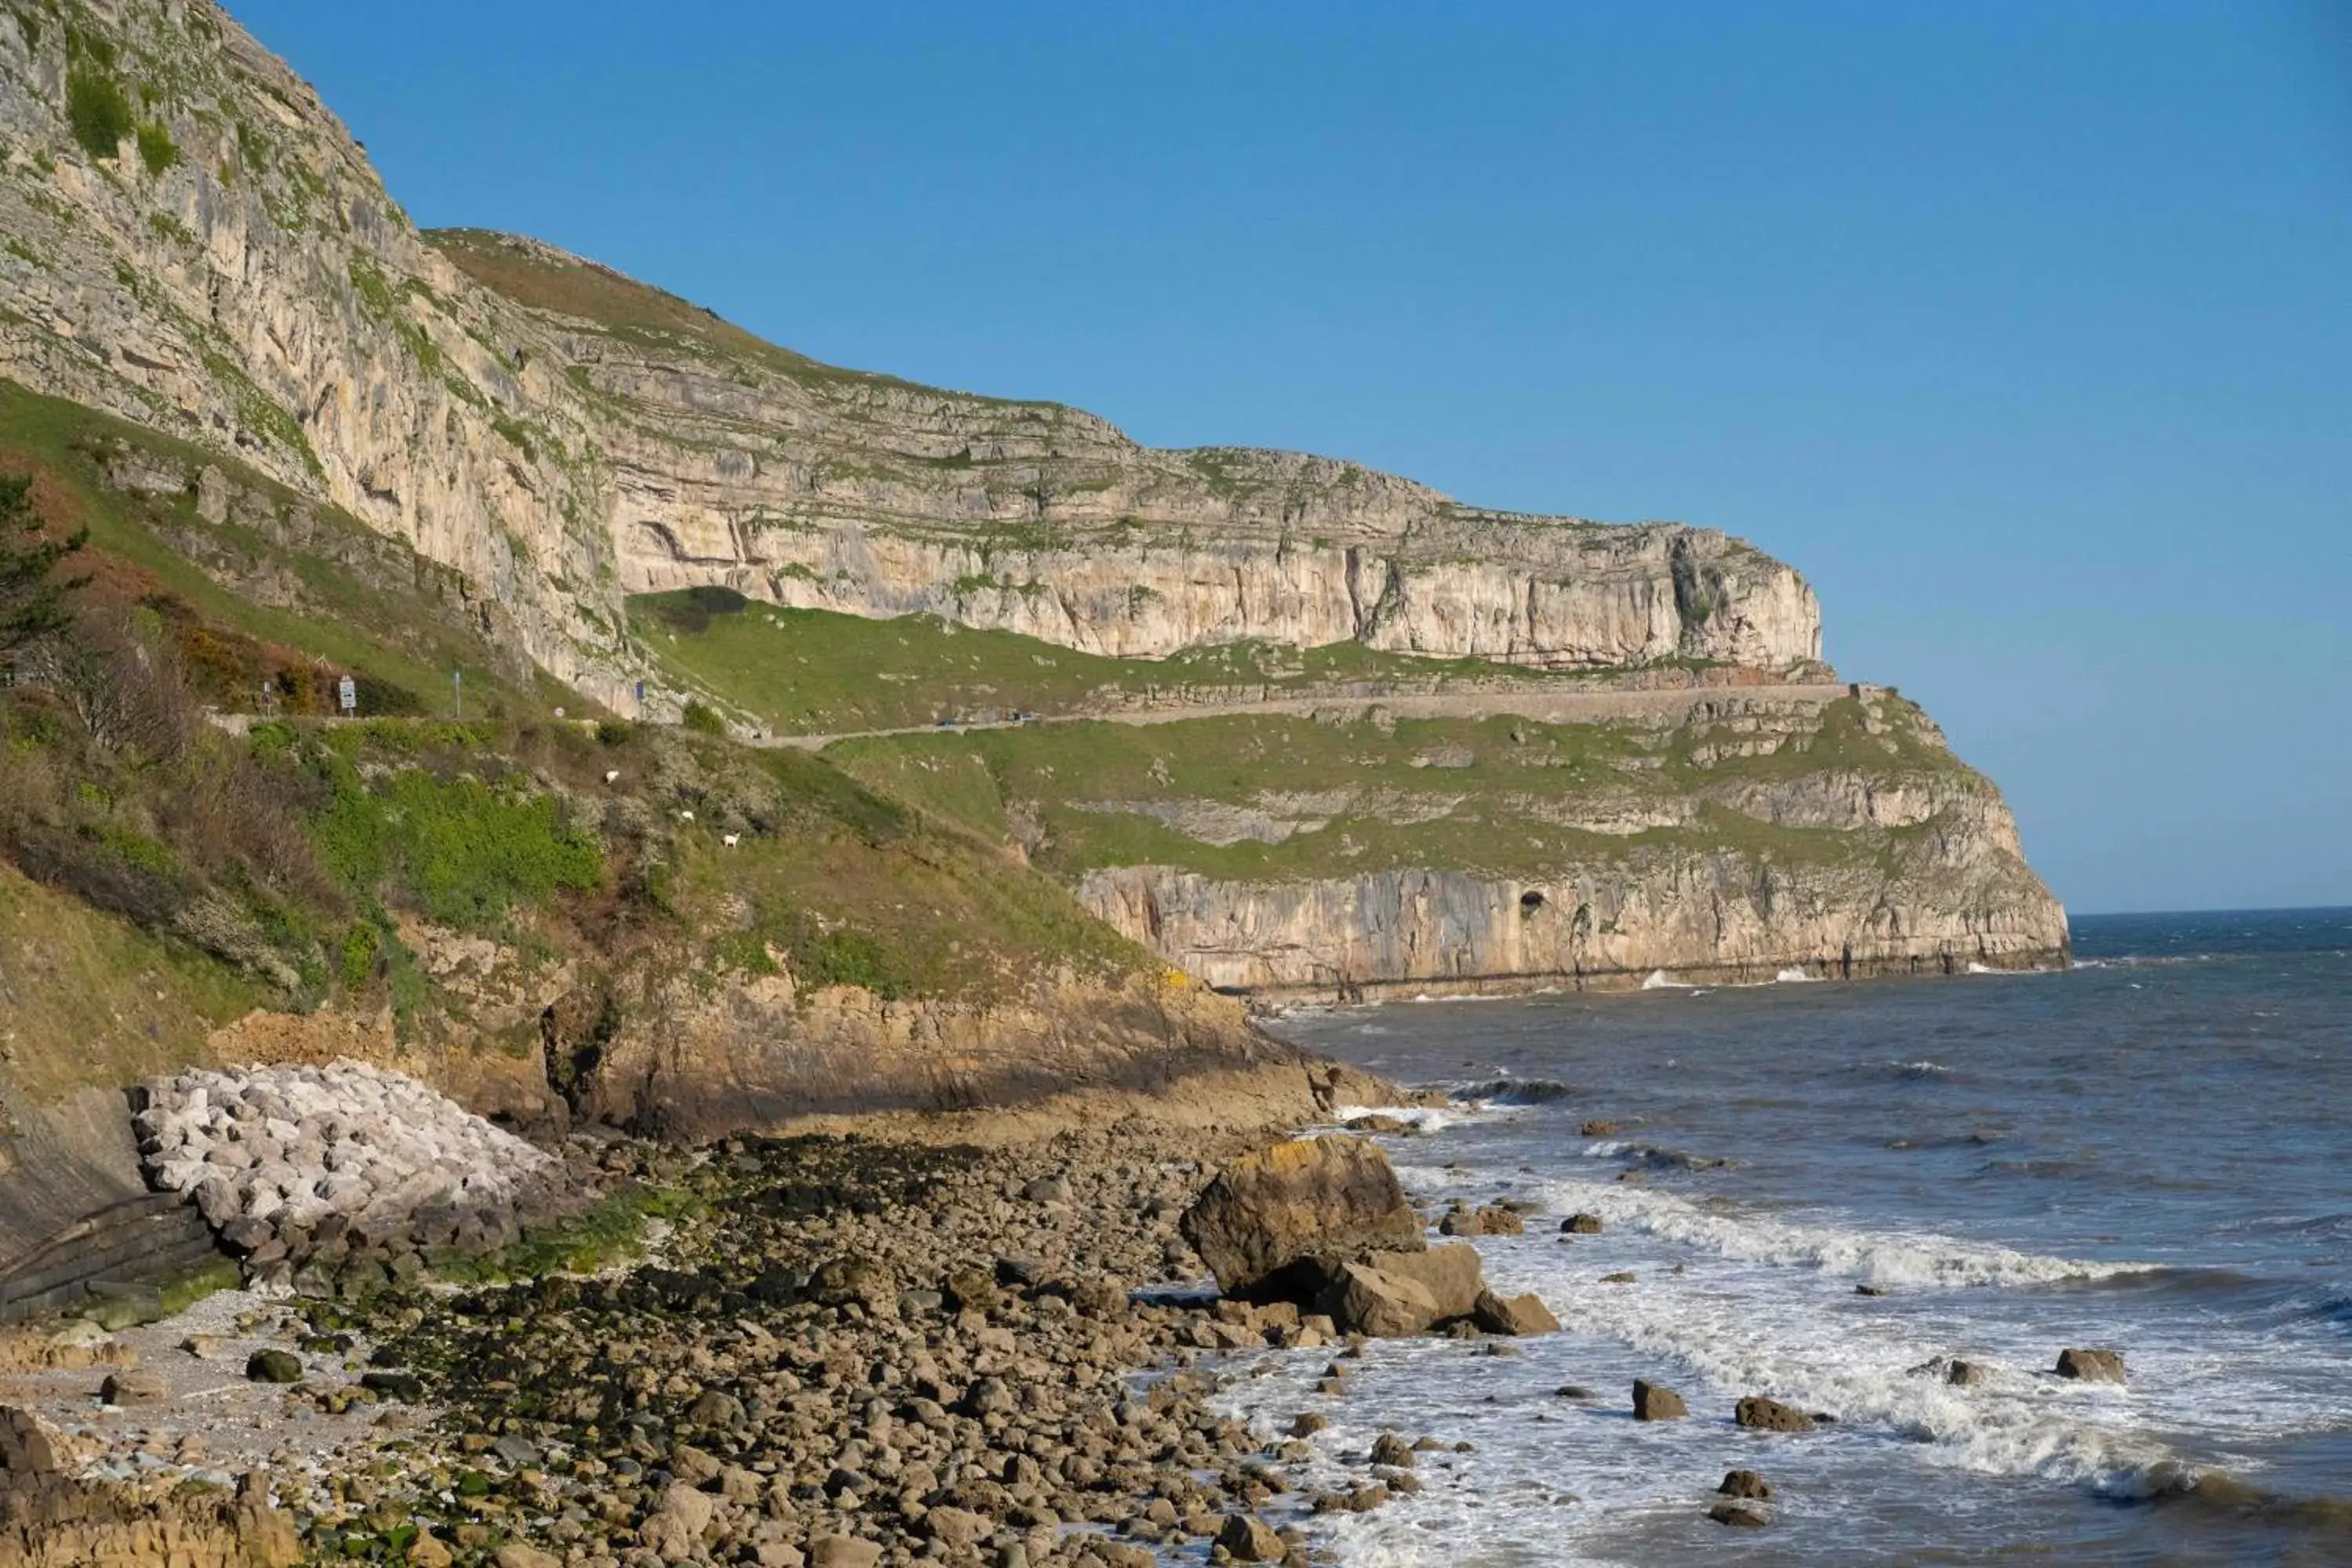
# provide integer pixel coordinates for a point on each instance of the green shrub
(155, 147)
(361, 944)
(614, 732)
(463, 854)
(95, 108)
(703, 719)
(849, 958)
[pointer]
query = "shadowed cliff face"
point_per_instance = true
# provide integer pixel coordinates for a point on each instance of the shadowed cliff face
(234, 273)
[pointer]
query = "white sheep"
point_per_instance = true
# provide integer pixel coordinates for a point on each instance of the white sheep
(612, 774)
(730, 839)
(686, 817)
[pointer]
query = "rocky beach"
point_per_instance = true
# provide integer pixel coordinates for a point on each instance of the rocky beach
(829, 1348)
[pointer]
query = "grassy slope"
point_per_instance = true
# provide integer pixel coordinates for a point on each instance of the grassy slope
(1503, 814)
(382, 622)
(505, 827)
(815, 672)
(88, 997)
(542, 279)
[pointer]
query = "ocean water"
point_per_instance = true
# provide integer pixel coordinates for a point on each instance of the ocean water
(2151, 1153)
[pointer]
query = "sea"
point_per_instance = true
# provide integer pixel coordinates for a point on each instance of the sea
(1827, 1192)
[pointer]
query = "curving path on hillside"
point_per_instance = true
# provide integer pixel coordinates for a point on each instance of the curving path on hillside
(1654, 705)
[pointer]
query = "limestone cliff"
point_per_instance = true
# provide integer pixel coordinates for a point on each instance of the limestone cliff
(1727, 835)
(197, 243)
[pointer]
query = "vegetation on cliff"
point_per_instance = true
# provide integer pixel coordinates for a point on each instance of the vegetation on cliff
(186, 856)
(799, 671)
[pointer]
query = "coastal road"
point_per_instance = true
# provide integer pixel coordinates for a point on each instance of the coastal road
(1667, 704)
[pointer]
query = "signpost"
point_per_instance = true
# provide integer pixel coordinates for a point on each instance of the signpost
(457, 684)
(347, 692)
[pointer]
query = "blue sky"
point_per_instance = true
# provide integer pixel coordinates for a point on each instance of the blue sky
(2025, 330)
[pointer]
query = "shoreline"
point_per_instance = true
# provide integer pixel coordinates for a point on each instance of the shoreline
(1277, 1000)
(974, 1337)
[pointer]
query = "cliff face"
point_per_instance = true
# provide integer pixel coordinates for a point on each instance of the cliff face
(1715, 836)
(229, 268)
(1699, 917)
(195, 244)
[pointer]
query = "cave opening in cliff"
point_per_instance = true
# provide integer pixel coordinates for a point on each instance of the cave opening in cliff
(1531, 901)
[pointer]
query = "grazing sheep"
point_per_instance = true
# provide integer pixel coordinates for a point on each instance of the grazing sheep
(730, 839)
(611, 774)
(686, 817)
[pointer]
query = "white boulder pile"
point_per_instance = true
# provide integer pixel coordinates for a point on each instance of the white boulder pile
(341, 1177)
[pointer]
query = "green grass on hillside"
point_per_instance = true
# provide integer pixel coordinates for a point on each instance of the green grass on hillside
(816, 672)
(1505, 796)
(86, 996)
(626, 308)
(362, 603)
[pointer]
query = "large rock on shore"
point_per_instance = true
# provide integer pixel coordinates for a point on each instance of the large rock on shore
(1362, 1300)
(1524, 1314)
(1770, 1416)
(1305, 1201)
(1655, 1402)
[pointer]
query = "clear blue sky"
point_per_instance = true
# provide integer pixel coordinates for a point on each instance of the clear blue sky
(2025, 329)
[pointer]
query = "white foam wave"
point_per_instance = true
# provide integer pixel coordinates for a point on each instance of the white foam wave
(1792, 977)
(1872, 1258)
(1421, 1117)
(1659, 980)
(1975, 968)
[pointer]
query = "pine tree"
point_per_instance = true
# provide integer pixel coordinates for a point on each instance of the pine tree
(32, 597)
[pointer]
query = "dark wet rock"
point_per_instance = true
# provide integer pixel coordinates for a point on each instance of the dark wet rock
(1745, 1484)
(274, 1366)
(1597, 1129)
(1305, 1199)
(1655, 1402)
(1375, 1122)
(2092, 1365)
(1733, 1513)
(1390, 1449)
(1770, 1416)
(1580, 1225)
(405, 1387)
(1968, 1373)
(1514, 1092)
(1573, 1390)
(1621, 1277)
(853, 1281)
